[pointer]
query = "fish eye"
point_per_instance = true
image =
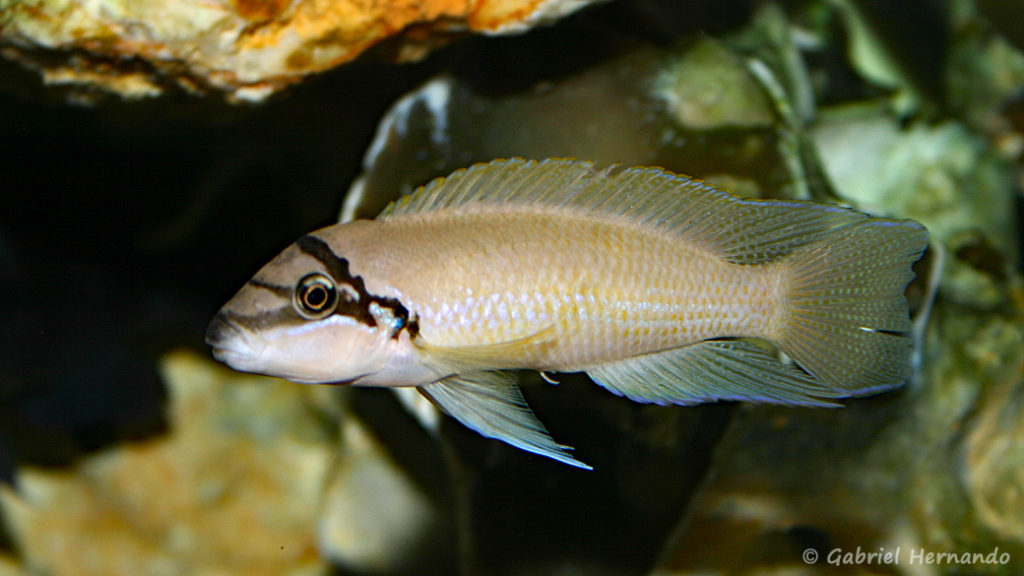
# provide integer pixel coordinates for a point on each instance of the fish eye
(315, 297)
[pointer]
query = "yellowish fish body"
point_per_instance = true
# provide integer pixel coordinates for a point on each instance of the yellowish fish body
(597, 289)
(661, 288)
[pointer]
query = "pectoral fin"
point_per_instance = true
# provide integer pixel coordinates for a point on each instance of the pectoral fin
(713, 370)
(491, 404)
(484, 357)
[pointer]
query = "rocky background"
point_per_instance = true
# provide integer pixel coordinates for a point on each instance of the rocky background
(154, 154)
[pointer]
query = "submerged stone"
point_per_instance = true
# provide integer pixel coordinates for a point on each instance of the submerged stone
(235, 487)
(710, 87)
(249, 480)
(245, 49)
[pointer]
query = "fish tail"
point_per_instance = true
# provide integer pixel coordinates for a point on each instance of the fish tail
(847, 321)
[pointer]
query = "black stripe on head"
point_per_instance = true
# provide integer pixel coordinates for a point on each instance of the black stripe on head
(282, 291)
(338, 268)
(269, 318)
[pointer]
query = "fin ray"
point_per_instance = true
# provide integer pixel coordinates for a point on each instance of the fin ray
(847, 321)
(492, 404)
(740, 230)
(712, 370)
(496, 356)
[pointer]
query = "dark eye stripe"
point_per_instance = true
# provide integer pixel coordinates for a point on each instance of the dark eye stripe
(283, 316)
(358, 308)
(336, 266)
(282, 291)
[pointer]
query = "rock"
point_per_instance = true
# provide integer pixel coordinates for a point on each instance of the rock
(922, 172)
(452, 122)
(235, 488)
(247, 49)
(8, 567)
(375, 518)
(250, 479)
(992, 465)
(709, 87)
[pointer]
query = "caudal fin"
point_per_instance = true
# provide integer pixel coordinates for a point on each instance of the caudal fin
(847, 322)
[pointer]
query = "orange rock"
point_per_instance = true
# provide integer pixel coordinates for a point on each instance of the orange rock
(247, 49)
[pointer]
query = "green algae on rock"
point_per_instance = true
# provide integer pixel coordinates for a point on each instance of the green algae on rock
(709, 87)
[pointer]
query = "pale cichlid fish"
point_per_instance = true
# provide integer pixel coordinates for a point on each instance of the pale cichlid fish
(661, 288)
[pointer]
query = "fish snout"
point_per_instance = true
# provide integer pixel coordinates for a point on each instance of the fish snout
(220, 330)
(231, 344)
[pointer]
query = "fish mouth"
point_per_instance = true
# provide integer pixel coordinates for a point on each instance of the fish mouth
(231, 344)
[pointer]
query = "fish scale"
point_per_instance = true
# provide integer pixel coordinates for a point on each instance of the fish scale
(596, 282)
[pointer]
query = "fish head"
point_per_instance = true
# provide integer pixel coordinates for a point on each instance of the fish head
(305, 317)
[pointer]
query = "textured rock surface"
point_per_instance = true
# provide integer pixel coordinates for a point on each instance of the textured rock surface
(246, 48)
(659, 118)
(234, 489)
(251, 479)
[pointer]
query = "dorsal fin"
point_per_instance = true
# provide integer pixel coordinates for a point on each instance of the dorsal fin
(740, 230)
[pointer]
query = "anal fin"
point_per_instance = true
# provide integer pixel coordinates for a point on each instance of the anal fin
(491, 403)
(713, 370)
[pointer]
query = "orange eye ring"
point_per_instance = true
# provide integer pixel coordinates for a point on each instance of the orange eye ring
(315, 297)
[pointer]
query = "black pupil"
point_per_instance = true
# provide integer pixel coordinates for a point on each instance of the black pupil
(316, 296)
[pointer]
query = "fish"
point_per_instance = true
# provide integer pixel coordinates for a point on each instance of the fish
(661, 288)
